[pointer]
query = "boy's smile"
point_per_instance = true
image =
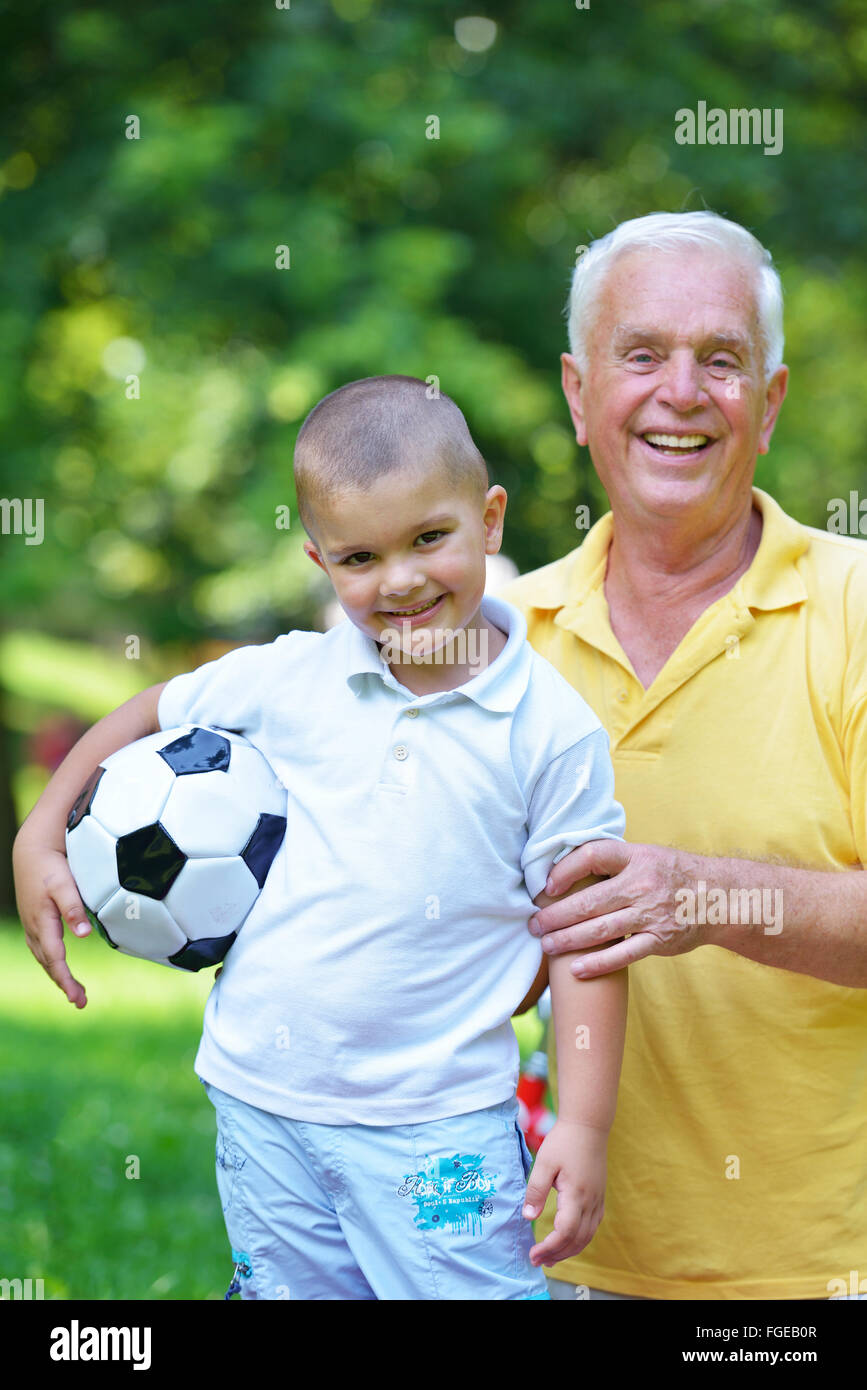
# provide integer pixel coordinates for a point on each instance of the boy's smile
(406, 557)
(418, 613)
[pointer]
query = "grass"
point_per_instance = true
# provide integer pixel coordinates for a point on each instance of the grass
(83, 1093)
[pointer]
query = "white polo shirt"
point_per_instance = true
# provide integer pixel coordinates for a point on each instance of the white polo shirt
(374, 979)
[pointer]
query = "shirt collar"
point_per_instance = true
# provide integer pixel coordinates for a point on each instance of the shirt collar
(498, 687)
(772, 580)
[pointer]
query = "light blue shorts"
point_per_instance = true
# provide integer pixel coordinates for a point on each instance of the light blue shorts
(422, 1211)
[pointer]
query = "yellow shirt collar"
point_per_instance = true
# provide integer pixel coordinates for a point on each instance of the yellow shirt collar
(772, 580)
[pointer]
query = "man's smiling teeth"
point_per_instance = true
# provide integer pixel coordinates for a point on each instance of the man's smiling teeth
(409, 612)
(678, 441)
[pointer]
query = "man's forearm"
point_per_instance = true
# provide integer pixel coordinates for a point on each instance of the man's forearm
(805, 920)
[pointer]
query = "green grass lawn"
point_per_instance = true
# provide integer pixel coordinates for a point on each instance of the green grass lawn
(83, 1090)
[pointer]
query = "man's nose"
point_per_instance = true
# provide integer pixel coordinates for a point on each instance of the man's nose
(681, 382)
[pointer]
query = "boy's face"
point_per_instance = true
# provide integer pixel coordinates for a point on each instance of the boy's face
(412, 541)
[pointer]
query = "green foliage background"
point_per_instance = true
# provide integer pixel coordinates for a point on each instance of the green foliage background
(306, 127)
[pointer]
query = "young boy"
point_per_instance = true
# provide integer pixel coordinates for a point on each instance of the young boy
(357, 1046)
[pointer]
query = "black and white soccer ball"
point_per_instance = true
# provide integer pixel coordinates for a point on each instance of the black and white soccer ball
(170, 842)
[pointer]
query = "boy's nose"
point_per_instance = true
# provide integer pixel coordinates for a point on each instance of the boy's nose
(400, 583)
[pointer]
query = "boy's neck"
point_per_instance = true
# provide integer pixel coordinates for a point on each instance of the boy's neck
(467, 654)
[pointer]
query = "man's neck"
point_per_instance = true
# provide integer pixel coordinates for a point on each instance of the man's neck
(655, 593)
(672, 563)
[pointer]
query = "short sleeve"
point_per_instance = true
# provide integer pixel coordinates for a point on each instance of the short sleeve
(226, 692)
(855, 757)
(572, 802)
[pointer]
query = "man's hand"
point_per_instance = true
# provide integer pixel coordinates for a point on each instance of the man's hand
(572, 1160)
(636, 901)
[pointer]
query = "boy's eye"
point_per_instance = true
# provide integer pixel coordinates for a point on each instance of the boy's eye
(361, 557)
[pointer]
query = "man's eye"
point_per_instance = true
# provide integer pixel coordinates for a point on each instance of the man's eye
(641, 357)
(724, 364)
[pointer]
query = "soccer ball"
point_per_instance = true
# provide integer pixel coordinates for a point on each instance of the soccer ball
(170, 841)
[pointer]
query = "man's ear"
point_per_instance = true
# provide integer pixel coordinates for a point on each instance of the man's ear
(572, 390)
(776, 394)
(310, 549)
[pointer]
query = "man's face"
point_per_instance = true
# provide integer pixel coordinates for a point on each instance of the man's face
(411, 541)
(673, 404)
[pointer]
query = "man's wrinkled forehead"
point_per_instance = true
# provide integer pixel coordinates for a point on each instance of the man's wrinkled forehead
(641, 299)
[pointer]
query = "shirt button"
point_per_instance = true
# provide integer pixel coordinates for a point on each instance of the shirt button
(412, 714)
(401, 751)
(622, 695)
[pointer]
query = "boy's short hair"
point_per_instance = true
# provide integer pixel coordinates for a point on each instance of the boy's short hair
(374, 426)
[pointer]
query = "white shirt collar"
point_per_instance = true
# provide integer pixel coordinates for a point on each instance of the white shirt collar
(498, 687)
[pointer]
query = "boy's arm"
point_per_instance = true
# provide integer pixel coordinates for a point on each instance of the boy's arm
(540, 984)
(44, 886)
(589, 1030)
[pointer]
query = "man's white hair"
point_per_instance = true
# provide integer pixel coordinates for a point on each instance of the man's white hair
(671, 231)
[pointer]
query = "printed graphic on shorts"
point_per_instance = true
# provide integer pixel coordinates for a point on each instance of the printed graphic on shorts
(451, 1193)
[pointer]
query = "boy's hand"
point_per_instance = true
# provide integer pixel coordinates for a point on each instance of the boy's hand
(45, 891)
(572, 1159)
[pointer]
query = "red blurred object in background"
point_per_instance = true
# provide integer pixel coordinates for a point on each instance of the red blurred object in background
(534, 1116)
(51, 742)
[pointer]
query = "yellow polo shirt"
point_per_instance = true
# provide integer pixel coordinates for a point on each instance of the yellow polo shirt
(738, 1156)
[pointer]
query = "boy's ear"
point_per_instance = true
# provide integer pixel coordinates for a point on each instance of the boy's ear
(495, 510)
(310, 549)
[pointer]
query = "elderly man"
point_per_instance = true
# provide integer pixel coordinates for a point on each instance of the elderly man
(724, 646)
